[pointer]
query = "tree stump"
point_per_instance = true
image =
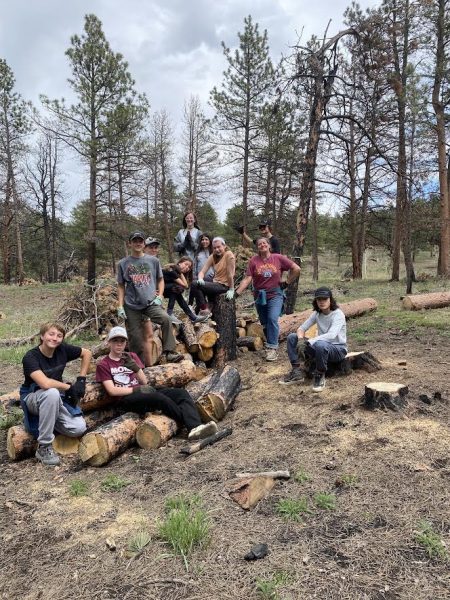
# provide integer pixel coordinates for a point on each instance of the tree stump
(380, 394)
(224, 314)
(365, 361)
(155, 430)
(252, 343)
(216, 401)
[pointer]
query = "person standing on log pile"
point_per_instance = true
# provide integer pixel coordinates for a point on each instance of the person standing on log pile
(175, 283)
(122, 376)
(265, 231)
(265, 270)
(201, 256)
(152, 246)
(49, 404)
(223, 261)
(187, 239)
(140, 296)
(329, 346)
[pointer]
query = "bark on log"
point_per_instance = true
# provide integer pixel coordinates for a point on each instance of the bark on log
(205, 354)
(174, 374)
(290, 323)
(19, 443)
(248, 492)
(7, 401)
(100, 349)
(187, 331)
(199, 388)
(255, 330)
(380, 394)
(217, 400)
(206, 335)
(107, 441)
(224, 314)
(208, 441)
(94, 398)
(155, 430)
(252, 343)
(156, 350)
(421, 301)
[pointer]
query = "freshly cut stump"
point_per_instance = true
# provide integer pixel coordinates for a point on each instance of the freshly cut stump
(214, 404)
(155, 430)
(252, 343)
(380, 394)
(107, 441)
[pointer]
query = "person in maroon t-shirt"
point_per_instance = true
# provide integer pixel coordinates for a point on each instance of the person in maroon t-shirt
(123, 378)
(265, 271)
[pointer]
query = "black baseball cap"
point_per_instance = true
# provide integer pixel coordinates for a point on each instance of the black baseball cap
(266, 223)
(322, 292)
(135, 235)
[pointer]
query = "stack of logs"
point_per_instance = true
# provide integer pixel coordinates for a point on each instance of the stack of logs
(110, 433)
(250, 334)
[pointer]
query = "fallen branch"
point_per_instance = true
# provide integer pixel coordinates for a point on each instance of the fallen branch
(212, 439)
(272, 474)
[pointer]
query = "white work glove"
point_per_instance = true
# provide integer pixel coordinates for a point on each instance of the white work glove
(200, 281)
(230, 294)
(157, 301)
(121, 313)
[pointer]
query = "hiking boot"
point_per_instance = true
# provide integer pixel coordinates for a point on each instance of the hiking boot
(199, 318)
(174, 320)
(205, 312)
(319, 382)
(47, 456)
(294, 376)
(174, 357)
(202, 431)
(271, 354)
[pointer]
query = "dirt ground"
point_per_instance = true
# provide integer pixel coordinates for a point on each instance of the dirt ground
(398, 466)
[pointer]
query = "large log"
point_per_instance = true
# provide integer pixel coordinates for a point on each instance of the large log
(207, 336)
(255, 330)
(187, 332)
(216, 401)
(252, 343)
(224, 314)
(380, 394)
(421, 301)
(107, 441)
(94, 398)
(198, 388)
(355, 308)
(19, 443)
(174, 374)
(155, 430)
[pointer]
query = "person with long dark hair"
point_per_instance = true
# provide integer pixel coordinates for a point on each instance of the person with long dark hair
(329, 346)
(177, 279)
(187, 239)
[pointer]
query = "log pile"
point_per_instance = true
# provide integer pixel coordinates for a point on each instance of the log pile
(249, 332)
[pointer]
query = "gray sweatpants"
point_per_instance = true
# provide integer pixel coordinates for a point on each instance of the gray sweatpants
(53, 416)
(156, 314)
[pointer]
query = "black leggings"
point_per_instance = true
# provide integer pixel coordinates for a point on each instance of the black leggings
(175, 296)
(175, 403)
(211, 289)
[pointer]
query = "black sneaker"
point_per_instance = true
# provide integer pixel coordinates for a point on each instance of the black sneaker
(294, 376)
(47, 456)
(319, 382)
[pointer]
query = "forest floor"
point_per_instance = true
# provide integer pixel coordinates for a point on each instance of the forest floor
(379, 477)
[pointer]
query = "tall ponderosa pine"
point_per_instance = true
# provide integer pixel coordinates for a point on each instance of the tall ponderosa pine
(100, 80)
(247, 81)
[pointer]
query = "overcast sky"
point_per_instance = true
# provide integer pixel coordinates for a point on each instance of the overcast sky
(173, 47)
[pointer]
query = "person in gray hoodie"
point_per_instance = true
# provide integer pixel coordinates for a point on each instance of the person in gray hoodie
(187, 239)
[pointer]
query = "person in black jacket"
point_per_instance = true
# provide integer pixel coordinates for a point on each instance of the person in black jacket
(265, 230)
(177, 279)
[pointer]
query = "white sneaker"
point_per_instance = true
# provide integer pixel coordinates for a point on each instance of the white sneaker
(202, 431)
(271, 354)
(174, 320)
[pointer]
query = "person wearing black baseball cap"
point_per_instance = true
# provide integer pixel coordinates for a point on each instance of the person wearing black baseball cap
(265, 230)
(329, 346)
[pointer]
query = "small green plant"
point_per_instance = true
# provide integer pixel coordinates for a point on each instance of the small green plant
(139, 541)
(431, 541)
(113, 483)
(301, 476)
(292, 509)
(13, 417)
(325, 501)
(268, 588)
(186, 525)
(78, 487)
(348, 480)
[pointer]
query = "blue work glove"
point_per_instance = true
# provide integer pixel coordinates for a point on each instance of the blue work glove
(200, 281)
(157, 301)
(121, 313)
(230, 294)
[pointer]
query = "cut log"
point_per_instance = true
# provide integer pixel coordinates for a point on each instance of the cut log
(252, 343)
(214, 404)
(433, 300)
(156, 350)
(7, 401)
(380, 394)
(100, 349)
(248, 492)
(19, 443)
(224, 314)
(205, 354)
(95, 397)
(109, 440)
(241, 323)
(206, 335)
(255, 330)
(290, 323)
(181, 348)
(174, 374)
(208, 441)
(198, 388)
(155, 430)
(65, 445)
(364, 361)
(187, 332)
(241, 332)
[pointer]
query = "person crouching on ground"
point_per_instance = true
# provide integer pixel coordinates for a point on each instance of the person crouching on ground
(329, 346)
(122, 376)
(49, 403)
(175, 283)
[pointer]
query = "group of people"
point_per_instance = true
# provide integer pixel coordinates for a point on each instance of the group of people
(206, 267)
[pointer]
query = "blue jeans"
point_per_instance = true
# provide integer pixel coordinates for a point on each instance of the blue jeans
(321, 352)
(268, 317)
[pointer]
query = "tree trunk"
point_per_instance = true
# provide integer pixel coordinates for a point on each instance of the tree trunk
(224, 314)
(155, 430)
(315, 241)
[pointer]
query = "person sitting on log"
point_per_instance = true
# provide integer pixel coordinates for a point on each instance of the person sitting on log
(152, 246)
(265, 230)
(187, 239)
(140, 296)
(175, 283)
(122, 376)
(265, 271)
(329, 346)
(50, 404)
(223, 261)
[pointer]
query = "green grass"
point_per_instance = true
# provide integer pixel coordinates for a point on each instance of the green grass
(113, 483)
(302, 476)
(78, 487)
(10, 418)
(431, 541)
(267, 588)
(14, 355)
(186, 525)
(325, 501)
(292, 509)
(138, 542)
(348, 480)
